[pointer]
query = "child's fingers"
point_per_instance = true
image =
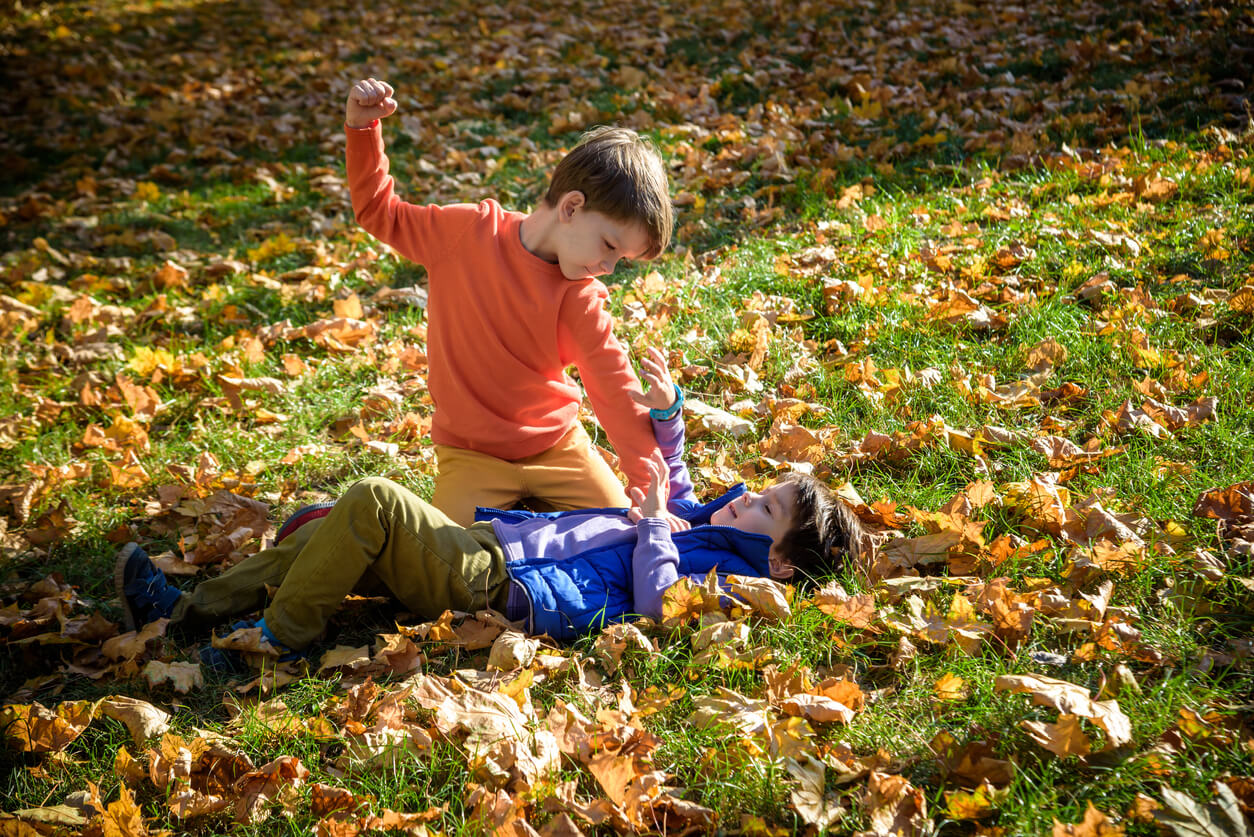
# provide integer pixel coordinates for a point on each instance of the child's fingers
(677, 524)
(654, 360)
(370, 92)
(652, 379)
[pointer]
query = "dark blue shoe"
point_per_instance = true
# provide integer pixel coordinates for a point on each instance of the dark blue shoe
(230, 661)
(145, 594)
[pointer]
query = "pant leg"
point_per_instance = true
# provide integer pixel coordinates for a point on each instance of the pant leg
(572, 475)
(427, 561)
(466, 479)
(242, 588)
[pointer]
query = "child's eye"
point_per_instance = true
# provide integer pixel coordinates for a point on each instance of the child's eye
(608, 246)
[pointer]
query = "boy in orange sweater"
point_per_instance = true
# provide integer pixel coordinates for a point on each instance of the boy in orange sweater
(512, 303)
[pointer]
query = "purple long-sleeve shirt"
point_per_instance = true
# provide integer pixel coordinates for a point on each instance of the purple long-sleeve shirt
(655, 560)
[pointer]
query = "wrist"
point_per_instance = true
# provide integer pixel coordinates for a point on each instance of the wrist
(365, 127)
(671, 411)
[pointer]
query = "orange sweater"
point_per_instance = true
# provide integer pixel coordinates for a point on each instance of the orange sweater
(502, 326)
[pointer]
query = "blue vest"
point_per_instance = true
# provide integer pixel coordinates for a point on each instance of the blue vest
(574, 595)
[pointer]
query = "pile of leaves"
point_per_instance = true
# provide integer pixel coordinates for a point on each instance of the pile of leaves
(986, 270)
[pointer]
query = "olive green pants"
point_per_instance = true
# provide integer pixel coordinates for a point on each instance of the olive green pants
(378, 533)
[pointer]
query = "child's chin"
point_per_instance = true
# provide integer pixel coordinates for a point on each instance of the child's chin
(576, 273)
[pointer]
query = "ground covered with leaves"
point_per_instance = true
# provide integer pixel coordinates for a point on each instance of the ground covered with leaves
(987, 269)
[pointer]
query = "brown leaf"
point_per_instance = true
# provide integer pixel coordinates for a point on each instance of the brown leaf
(895, 808)
(257, 787)
(1185, 817)
(950, 687)
(614, 641)
(766, 596)
(398, 653)
(346, 658)
(482, 716)
(1070, 699)
(183, 677)
(817, 806)
(327, 799)
(1094, 824)
(37, 729)
(1064, 738)
(187, 804)
(972, 763)
(728, 708)
(142, 718)
(123, 817)
(858, 611)
(512, 650)
(1232, 503)
(976, 804)
(1046, 354)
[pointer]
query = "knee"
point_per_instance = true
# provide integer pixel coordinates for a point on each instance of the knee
(371, 491)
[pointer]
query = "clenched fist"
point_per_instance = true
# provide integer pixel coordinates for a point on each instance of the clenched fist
(369, 99)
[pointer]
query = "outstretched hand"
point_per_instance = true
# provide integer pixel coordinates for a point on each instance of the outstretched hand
(660, 394)
(653, 502)
(368, 100)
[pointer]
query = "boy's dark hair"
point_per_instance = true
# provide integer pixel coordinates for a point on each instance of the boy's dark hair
(621, 176)
(825, 531)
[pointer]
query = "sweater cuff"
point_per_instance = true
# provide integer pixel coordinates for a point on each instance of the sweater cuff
(671, 411)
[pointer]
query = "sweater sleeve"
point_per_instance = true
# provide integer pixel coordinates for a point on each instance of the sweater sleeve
(654, 566)
(586, 331)
(419, 233)
(670, 440)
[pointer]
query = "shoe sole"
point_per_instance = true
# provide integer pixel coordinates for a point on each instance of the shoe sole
(300, 517)
(119, 583)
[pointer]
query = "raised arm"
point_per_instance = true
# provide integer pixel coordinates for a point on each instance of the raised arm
(665, 402)
(423, 234)
(655, 560)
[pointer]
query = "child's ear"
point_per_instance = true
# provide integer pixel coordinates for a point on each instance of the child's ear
(780, 568)
(568, 203)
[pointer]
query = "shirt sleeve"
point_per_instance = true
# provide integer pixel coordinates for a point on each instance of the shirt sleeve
(654, 566)
(423, 234)
(586, 332)
(670, 440)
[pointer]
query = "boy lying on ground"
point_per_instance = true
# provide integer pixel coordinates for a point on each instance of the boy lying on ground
(562, 573)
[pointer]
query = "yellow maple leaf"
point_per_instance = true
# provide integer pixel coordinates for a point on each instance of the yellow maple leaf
(146, 191)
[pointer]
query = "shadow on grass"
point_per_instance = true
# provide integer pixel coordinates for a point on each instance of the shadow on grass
(186, 92)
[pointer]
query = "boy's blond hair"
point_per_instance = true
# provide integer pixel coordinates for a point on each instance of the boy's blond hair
(621, 175)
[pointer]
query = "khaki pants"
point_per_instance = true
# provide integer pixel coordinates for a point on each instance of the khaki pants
(378, 532)
(569, 475)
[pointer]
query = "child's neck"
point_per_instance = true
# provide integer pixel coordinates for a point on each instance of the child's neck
(537, 232)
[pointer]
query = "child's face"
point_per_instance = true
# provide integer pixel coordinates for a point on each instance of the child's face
(769, 512)
(590, 244)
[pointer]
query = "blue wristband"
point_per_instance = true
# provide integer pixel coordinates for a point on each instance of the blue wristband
(671, 411)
